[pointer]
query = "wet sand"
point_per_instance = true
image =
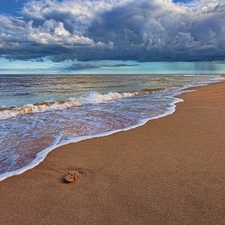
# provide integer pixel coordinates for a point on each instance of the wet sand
(169, 171)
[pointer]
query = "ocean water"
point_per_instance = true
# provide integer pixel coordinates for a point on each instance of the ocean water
(41, 112)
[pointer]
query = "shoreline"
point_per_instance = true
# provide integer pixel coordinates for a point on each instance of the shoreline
(169, 170)
(41, 156)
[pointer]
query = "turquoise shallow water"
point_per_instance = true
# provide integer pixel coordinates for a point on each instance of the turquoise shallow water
(41, 112)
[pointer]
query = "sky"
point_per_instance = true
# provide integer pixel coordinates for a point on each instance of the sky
(111, 36)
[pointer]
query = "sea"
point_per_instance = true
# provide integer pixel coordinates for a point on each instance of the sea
(39, 113)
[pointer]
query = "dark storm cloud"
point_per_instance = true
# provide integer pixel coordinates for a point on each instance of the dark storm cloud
(140, 30)
(81, 66)
(84, 66)
(120, 65)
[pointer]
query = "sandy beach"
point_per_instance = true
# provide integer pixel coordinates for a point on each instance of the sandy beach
(169, 171)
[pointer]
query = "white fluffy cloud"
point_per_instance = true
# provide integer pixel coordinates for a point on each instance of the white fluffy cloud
(141, 30)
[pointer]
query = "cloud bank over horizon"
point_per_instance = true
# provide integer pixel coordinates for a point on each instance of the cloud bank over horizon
(138, 30)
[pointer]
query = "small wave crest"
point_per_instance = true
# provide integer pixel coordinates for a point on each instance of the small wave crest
(90, 98)
(35, 108)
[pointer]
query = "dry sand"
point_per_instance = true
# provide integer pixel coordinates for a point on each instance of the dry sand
(169, 171)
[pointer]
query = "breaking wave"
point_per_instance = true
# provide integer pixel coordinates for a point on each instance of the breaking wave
(90, 98)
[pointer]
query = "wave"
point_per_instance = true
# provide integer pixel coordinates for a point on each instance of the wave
(90, 98)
